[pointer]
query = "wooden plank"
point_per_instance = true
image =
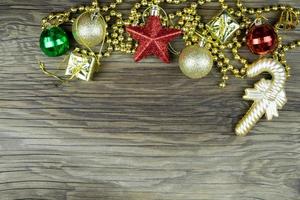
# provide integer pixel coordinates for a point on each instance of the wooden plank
(139, 131)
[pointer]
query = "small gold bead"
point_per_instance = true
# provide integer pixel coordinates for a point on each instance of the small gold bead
(282, 7)
(225, 7)
(200, 2)
(188, 43)
(235, 71)
(223, 70)
(221, 55)
(230, 67)
(113, 13)
(195, 38)
(275, 8)
(44, 21)
(244, 61)
(220, 64)
(234, 51)
(267, 9)
(110, 48)
(226, 60)
(73, 10)
(115, 41)
(259, 11)
(239, 4)
(178, 13)
(243, 71)
(222, 85)
(144, 2)
(81, 8)
(251, 11)
(194, 5)
(225, 77)
(214, 50)
(237, 57)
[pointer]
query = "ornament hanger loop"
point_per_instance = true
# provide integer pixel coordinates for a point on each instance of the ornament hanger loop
(259, 19)
(155, 11)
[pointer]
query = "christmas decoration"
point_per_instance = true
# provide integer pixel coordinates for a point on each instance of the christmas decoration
(153, 39)
(112, 31)
(223, 26)
(289, 19)
(262, 39)
(81, 66)
(195, 61)
(54, 41)
(268, 95)
(89, 29)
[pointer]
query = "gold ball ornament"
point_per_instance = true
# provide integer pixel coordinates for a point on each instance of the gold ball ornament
(195, 61)
(89, 29)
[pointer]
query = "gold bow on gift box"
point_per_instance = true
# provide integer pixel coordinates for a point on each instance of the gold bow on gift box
(81, 66)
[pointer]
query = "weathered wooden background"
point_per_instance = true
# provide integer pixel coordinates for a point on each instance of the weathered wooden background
(140, 131)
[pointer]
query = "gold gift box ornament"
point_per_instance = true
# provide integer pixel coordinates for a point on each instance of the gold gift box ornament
(222, 27)
(81, 65)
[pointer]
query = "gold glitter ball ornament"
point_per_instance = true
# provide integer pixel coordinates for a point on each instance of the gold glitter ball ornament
(195, 61)
(89, 29)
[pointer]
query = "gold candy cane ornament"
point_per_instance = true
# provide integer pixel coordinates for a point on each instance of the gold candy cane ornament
(268, 95)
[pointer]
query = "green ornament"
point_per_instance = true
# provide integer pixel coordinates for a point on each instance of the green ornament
(54, 42)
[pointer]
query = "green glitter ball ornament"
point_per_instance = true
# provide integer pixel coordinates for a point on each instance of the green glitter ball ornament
(54, 42)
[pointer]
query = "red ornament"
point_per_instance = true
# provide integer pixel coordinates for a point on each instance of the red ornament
(153, 39)
(262, 39)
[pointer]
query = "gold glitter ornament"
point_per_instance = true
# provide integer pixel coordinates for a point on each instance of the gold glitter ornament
(268, 95)
(89, 29)
(195, 61)
(289, 19)
(223, 27)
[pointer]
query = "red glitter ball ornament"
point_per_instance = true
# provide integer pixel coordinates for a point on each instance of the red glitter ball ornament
(262, 39)
(153, 39)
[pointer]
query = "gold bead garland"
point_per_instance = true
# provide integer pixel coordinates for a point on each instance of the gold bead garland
(187, 20)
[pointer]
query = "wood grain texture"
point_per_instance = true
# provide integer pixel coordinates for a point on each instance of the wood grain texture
(139, 131)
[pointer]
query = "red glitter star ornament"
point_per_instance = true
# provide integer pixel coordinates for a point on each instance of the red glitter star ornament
(153, 39)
